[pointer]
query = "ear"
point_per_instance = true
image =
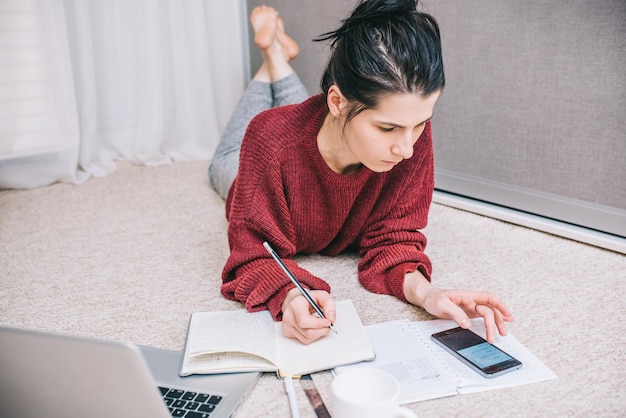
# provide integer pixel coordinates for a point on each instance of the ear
(336, 101)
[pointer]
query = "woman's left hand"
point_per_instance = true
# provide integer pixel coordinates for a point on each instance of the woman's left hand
(458, 304)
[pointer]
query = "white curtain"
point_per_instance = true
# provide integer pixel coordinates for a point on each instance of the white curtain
(86, 82)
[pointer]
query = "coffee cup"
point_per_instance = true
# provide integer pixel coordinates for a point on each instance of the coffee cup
(367, 393)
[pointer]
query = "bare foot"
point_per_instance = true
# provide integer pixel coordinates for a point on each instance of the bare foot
(276, 47)
(290, 46)
(264, 23)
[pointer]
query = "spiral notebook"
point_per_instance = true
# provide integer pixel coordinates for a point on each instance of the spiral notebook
(426, 371)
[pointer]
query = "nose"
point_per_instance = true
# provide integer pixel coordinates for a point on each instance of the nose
(404, 146)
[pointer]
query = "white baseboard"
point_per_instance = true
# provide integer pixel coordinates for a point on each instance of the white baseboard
(551, 226)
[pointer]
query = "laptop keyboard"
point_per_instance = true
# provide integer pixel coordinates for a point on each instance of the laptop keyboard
(189, 404)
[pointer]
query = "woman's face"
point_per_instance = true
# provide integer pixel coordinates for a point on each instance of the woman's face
(382, 137)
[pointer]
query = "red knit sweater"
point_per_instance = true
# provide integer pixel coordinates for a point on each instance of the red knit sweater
(285, 193)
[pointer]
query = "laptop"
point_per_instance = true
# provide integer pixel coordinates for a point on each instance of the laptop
(51, 375)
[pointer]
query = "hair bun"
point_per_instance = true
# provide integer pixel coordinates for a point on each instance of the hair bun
(384, 46)
(370, 12)
(383, 9)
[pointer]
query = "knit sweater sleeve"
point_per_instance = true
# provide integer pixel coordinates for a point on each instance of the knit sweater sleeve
(258, 211)
(391, 244)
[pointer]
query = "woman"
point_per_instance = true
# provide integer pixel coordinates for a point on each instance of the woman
(348, 169)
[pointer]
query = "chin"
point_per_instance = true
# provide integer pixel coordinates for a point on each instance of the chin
(382, 168)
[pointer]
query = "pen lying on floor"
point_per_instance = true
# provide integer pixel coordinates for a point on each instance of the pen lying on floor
(291, 394)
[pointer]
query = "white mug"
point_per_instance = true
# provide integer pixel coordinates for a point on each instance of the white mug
(367, 393)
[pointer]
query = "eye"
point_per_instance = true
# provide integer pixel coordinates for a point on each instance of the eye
(385, 129)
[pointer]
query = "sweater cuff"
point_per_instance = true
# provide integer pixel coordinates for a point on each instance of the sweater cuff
(274, 303)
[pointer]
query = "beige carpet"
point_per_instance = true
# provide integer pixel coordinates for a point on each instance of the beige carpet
(130, 256)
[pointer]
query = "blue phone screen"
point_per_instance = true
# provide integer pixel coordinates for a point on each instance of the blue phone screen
(474, 348)
(484, 355)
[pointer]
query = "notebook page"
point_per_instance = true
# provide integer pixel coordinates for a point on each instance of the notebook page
(232, 331)
(408, 358)
(225, 363)
(349, 345)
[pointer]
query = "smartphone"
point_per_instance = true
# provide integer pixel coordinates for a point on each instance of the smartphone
(472, 349)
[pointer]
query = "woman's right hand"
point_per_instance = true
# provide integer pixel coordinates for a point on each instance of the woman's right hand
(300, 320)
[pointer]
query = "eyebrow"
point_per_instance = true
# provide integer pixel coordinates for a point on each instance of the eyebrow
(395, 125)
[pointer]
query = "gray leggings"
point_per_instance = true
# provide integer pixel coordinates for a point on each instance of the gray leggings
(257, 97)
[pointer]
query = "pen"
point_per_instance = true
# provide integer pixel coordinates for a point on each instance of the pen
(295, 281)
(291, 394)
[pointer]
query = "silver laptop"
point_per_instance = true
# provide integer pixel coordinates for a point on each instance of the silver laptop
(51, 375)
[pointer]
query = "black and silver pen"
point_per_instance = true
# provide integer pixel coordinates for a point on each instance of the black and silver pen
(295, 281)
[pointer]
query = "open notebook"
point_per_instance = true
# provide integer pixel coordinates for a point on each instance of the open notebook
(236, 341)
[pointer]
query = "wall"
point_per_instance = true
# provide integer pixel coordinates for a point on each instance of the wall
(532, 119)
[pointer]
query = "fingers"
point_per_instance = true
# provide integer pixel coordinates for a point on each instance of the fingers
(492, 301)
(493, 311)
(461, 305)
(455, 312)
(301, 322)
(492, 318)
(500, 322)
(488, 316)
(305, 336)
(326, 303)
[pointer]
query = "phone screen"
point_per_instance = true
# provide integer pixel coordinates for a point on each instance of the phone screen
(485, 356)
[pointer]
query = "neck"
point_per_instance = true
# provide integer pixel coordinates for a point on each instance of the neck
(333, 148)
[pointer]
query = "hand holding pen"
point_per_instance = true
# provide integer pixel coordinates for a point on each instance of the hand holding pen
(300, 289)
